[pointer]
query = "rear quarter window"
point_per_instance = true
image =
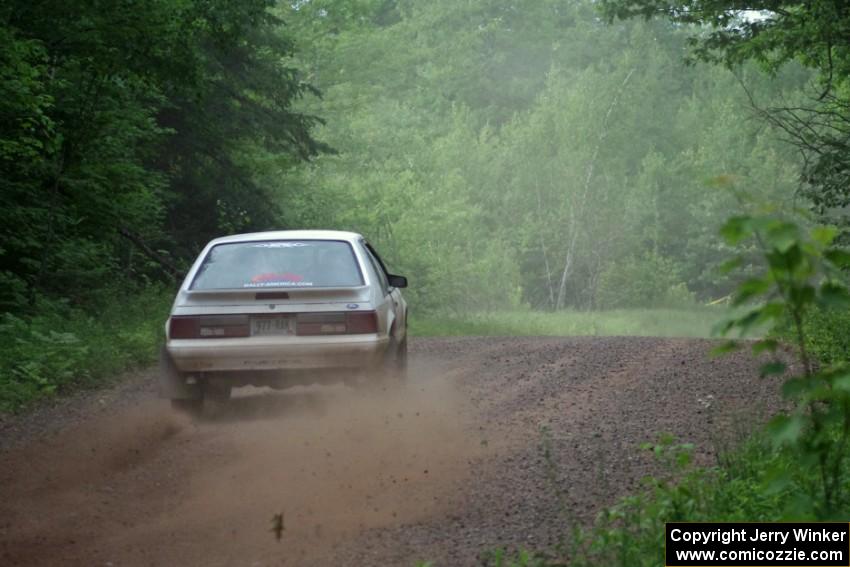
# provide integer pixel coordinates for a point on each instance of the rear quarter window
(279, 263)
(379, 271)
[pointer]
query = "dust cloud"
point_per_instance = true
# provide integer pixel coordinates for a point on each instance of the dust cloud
(152, 488)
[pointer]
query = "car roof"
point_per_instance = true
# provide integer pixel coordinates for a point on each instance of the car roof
(289, 235)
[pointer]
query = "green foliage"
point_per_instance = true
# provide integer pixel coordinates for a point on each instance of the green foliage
(802, 276)
(812, 33)
(827, 334)
(648, 281)
(126, 134)
(65, 348)
(786, 30)
(490, 143)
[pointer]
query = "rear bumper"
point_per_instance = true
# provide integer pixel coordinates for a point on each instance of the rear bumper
(269, 353)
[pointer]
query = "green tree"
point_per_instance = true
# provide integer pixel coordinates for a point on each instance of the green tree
(531, 135)
(773, 33)
(134, 131)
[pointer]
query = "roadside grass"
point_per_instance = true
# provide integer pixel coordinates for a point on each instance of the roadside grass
(696, 322)
(66, 348)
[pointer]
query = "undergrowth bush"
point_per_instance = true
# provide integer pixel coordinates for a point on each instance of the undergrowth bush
(650, 280)
(65, 347)
(827, 334)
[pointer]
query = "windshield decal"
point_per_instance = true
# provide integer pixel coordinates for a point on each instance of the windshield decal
(270, 277)
(285, 279)
(279, 244)
(282, 283)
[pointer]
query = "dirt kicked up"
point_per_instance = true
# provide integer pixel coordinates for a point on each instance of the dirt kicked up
(443, 468)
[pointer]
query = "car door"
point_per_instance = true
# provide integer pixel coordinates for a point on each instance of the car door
(397, 316)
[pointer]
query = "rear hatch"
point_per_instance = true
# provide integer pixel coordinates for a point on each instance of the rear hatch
(283, 287)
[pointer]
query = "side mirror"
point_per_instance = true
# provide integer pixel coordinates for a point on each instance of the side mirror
(397, 281)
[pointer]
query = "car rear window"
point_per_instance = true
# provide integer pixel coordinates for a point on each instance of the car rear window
(279, 263)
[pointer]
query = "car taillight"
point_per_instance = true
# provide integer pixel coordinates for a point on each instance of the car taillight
(183, 327)
(209, 327)
(347, 323)
(320, 324)
(362, 322)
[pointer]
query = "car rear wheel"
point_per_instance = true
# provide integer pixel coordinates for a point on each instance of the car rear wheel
(401, 358)
(387, 372)
(395, 361)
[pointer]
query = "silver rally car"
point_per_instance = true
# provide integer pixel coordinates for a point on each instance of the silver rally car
(280, 309)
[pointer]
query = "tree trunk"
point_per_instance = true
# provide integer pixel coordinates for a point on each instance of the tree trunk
(582, 204)
(549, 285)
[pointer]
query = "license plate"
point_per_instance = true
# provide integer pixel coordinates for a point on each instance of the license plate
(271, 326)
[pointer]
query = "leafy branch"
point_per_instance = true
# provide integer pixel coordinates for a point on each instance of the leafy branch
(802, 272)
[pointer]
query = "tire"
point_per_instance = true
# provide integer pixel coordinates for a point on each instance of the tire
(388, 372)
(395, 362)
(401, 358)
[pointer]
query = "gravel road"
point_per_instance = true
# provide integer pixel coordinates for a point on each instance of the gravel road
(441, 469)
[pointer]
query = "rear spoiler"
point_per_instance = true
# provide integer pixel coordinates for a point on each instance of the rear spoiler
(277, 293)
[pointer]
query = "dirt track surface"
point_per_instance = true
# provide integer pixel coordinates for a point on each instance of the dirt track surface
(444, 468)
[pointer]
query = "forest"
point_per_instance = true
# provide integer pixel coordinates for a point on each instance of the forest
(537, 156)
